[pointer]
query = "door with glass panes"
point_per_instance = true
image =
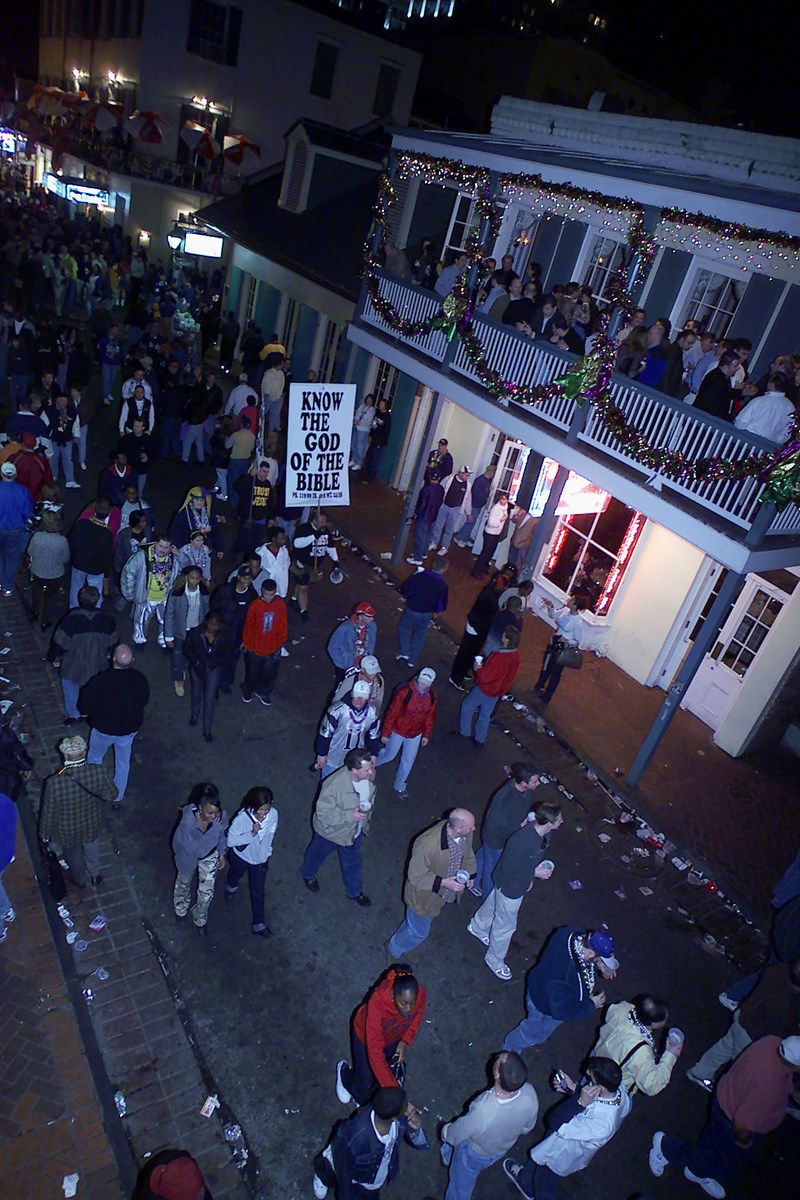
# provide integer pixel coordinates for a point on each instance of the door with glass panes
(510, 458)
(720, 676)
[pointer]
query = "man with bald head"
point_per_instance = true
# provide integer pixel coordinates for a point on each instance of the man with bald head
(441, 866)
(113, 702)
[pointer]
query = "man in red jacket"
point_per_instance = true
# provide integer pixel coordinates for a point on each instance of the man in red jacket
(492, 680)
(408, 724)
(265, 631)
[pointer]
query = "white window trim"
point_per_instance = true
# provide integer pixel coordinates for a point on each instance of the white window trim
(700, 263)
(585, 255)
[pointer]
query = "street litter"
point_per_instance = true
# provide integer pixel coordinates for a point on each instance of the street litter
(72, 937)
(387, 554)
(102, 973)
(121, 1103)
(233, 1133)
(5, 650)
(81, 945)
(210, 1104)
(575, 884)
(646, 891)
(291, 1111)
(98, 923)
(621, 893)
(626, 858)
(70, 1185)
(604, 837)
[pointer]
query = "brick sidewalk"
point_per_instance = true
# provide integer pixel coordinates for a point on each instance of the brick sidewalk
(145, 1047)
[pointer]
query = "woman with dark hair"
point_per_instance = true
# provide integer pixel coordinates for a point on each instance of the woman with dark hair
(250, 838)
(379, 436)
(383, 1028)
(493, 533)
(199, 844)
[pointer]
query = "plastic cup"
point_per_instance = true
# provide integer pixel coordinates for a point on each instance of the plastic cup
(551, 866)
(675, 1034)
(462, 877)
(365, 805)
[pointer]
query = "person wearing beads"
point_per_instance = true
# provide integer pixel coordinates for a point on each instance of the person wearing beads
(384, 1026)
(250, 839)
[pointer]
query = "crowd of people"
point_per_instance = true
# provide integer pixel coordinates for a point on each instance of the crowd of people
(693, 364)
(170, 576)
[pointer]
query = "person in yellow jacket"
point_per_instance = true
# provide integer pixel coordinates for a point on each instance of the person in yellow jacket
(631, 1036)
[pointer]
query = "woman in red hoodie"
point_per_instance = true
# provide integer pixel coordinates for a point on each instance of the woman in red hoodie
(383, 1028)
(492, 680)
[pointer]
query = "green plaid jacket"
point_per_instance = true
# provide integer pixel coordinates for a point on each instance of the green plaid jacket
(69, 814)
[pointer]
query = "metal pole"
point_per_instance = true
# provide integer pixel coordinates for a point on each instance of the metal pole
(547, 522)
(437, 403)
(716, 618)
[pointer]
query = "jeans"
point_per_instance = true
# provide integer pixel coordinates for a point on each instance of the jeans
(550, 674)
(171, 437)
(178, 661)
(182, 892)
(82, 436)
(222, 482)
(411, 630)
(422, 538)
(349, 861)
(63, 455)
(532, 1030)
(100, 743)
(260, 673)
(408, 748)
(488, 549)
(486, 860)
(193, 437)
(205, 686)
(76, 581)
(273, 414)
(715, 1154)
(12, 545)
(497, 918)
(229, 669)
(409, 934)
(70, 692)
(465, 1167)
(536, 1179)
(237, 467)
(468, 528)
(110, 372)
(5, 902)
(256, 878)
(360, 1079)
(445, 526)
(358, 446)
(17, 389)
(485, 706)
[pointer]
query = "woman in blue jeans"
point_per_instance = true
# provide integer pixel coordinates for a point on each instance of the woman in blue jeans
(250, 839)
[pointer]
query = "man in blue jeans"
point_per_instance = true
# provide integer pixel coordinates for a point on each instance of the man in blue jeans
(425, 594)
(16, 507)
(341, 820)
(113, 702)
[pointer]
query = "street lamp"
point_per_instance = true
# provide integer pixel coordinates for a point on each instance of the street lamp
(174, 240)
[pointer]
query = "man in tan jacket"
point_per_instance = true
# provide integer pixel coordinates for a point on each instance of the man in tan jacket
(341, 819)
(442, 865)
(630, 1036)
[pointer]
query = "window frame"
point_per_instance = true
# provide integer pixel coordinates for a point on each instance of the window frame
(324, 45)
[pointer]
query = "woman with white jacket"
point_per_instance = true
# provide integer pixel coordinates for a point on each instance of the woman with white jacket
(580, 1126)
(250, 838)
(362, 426)
(493, 533)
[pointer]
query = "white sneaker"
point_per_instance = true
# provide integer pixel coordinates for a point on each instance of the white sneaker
(442, 550)
(73, 484)
(502, 972)
(726, 1002)
(656, 1157)
(482, 937)
(708, 1185)
(342, 1093)
(415, 562)
(284, 652)
(9, 915)
(320, 1191)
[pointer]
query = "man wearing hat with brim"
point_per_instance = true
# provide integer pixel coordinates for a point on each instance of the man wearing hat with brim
(16, 506)
(749, 1101)
(562, 985)
(457, 503)
(350, 724)
(369, 672)
(71, 814)
(408, 725)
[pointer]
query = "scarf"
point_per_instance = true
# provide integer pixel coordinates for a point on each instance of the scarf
(453, 864)
(584, 969)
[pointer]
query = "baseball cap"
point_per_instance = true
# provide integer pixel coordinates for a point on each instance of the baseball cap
(8, 470)
(370, 664)
(427, 676)
(602, 943)
(789, 1051)
(178, 1180)
(361, 688)
(365, 609)
(466, 470)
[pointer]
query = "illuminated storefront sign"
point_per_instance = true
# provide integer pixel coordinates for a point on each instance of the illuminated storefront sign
(8, 141)
(78, 192)
(205, 244)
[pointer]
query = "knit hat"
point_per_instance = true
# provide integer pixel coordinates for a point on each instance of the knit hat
(73, 747)
(602, 943)
(361, 688)
(8, 470)
(370, 664)
(427, 676)
(178, 1180)
(789, 1051)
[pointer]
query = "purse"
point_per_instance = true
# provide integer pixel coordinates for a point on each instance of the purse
(569, 656)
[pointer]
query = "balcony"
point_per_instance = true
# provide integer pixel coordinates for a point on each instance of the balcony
(666, 423)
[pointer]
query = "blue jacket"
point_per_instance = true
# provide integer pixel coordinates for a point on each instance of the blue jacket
(16, 505)
(555, 985)
(357, 1153)
(425, 592)
(342, 644)
(8, 830)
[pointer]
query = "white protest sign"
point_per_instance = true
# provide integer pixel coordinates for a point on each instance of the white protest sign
(318, 443)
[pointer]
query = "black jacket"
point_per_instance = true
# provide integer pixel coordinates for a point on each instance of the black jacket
(233, 606)
(357, 1154)
(714, 395)
(203, 656)
(91, 547)
(114, 701)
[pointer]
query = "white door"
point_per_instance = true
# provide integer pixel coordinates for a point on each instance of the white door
(721, 674)
(509, 469)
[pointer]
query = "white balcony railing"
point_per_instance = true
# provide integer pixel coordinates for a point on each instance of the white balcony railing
(666, 423)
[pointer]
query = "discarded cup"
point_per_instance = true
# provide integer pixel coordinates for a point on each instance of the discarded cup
(121, 1103)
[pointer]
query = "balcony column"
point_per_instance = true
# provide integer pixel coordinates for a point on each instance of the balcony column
(546, 525)
(426, 445)
(713, 623)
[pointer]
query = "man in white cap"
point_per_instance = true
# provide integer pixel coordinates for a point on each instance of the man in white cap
(457, 502)
(369, 672)
(749, 1101)
(408, 725)
(16, 507)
